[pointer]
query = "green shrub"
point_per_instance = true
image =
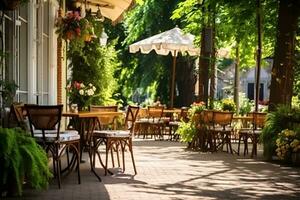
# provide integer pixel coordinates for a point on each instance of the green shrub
(21, 158)
(283, 118)
(187, 131)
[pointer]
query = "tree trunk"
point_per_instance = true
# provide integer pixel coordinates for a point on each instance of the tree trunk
(237, 76)
(185, 80)
(203, 69)
(213, 71)
(258, 54)
(282, 73)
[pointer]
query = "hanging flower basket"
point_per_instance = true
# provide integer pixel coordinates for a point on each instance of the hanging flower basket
(74, 27)
(11, 4)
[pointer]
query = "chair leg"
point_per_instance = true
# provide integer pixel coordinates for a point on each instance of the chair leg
(131, 152)
(106, 155)
(58, 166)
(78, 162)
(246, 145)
(118, 156)
(229, 142)
(123, 148)
(240, 137)
(112, 157)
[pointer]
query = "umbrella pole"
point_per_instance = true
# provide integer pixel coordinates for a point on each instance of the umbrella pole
(173, 81)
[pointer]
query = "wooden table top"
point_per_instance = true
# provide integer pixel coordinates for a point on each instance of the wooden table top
(87, 114)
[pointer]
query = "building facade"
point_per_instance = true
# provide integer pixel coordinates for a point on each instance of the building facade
(29, 45)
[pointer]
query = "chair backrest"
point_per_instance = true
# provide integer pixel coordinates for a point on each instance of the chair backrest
(222, 118)
(131, 115)
(143, 113)
(44, 118)
(105, 121)
(258, 119)
(155, 111)
(17, 116)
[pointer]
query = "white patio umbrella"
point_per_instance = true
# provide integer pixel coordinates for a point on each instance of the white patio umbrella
(172, 41)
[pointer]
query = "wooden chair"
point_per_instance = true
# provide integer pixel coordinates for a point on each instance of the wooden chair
(244, 132)
(258, 124)
(17, 116)
(222, 129)
(44, 124)
(174, 123)
(117, 139)
(156, 123)
(106, 122)
(142, 123)
(208, 125)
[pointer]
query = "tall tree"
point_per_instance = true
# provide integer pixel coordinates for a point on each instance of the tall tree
(283, 67)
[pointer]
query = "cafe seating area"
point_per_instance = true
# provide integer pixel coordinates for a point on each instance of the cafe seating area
(99, 126)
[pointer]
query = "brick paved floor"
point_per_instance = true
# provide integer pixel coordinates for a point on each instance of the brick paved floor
(166, 170)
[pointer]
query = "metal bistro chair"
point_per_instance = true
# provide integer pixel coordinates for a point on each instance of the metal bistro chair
(116, 139)
(44, 124)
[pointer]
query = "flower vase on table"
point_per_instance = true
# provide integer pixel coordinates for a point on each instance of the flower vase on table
(81, 95)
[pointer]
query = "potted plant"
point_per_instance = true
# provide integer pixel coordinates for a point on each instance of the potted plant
(75, 28)
(11, 4)
(21, 160)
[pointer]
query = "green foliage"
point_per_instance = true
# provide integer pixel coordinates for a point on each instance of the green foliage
(21, 157)
(187, 131)
(8, 91)
(283, 118)
(147, 18)
(95, 64)
(235, 22)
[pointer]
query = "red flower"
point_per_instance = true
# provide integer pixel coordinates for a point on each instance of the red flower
(78, 31)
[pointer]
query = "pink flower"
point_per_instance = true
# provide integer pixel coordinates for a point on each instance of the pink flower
(77, 15)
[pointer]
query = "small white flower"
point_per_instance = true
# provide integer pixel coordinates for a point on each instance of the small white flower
(82, 85)
(81, 92)
(90, 84)
(90, 92)
(94, 88)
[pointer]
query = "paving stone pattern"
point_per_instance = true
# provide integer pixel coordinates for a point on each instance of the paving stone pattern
(167, 170)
